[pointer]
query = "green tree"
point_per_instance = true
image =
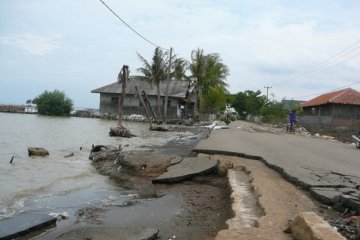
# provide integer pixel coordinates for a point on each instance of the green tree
(248, 101)
(238, 102)
(53, 103)
(254, 101)
(155, 72)
(207, 71)
(214, 99)
(179, 69)
(273, 112)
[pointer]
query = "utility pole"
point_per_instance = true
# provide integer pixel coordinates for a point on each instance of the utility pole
(267, 92)
(167, 88)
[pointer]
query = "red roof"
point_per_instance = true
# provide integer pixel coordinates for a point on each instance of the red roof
(345, 96)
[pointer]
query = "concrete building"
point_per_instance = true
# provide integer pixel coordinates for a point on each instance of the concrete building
(180, 98)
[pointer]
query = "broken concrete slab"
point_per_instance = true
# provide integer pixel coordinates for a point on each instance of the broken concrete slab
(187, 168)
(325, 195)
(100, 233)
(309, 226)
(175, 160)
(23, 224)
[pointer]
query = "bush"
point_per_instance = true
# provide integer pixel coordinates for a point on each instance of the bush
(53, 103)
(273, 112)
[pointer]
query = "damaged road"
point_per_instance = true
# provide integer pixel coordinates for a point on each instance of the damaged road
(329, 170)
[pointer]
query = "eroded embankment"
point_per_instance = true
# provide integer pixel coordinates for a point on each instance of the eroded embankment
(341, 197)
(263, 201)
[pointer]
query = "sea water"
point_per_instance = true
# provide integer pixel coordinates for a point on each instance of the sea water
(55, 183)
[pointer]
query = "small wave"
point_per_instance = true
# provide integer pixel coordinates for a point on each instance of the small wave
(17, 206)
(16, 201)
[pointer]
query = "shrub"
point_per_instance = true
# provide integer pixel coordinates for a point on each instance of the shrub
(273, 112)
(53, 103)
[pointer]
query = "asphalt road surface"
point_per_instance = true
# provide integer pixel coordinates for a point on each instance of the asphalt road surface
(330, 170)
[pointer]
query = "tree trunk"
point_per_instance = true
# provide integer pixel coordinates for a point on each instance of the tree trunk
(147, 102)
(144, 106)
(123, 92)
(196, 100)
(167, 88)
(119, 129)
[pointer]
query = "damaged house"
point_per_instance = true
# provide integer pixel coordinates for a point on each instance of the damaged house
(180, 100)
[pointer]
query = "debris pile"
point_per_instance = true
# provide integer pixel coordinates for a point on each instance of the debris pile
(348, 227)
(135, 118)
(302, 131)
(106, 152)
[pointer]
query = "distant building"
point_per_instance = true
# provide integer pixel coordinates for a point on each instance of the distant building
(180, 97)
(30, 108)
(338, 110)
(291, 104)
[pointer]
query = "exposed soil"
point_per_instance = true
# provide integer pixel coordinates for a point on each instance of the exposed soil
(194, 209)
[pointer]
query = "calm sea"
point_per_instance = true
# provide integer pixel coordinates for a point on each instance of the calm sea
(55, 183)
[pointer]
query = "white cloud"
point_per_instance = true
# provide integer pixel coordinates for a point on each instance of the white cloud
(31, 43)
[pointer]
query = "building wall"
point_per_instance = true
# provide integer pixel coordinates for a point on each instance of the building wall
(341, 111)
(109, 104)
(335, 119)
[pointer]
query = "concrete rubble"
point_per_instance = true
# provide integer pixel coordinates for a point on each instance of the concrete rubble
(23, 224)
(309, 226)
(186, 169)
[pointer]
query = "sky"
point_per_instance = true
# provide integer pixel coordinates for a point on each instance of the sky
(76, 46)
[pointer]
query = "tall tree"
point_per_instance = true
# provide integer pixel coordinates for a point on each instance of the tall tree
(214, 100)
(207, 72)
(155, 72)
(179, 69)
(248, 101)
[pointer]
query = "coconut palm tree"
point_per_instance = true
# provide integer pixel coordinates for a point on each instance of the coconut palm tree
(179, 69)
(155, 72)
(206, 71)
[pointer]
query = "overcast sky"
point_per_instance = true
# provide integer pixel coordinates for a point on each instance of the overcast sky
(78, 45)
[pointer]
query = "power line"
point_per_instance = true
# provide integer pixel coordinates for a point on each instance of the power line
(333, 58)
(327, 67)
(132, 29)
(328, 91)
(328, 63)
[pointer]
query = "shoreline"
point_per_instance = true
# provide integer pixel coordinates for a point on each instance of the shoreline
(197, 208)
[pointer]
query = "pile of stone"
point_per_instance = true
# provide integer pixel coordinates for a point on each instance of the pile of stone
(348, 227)
(302, 131)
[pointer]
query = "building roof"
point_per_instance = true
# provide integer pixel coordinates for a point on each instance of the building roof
(177, 88)
(345, 96)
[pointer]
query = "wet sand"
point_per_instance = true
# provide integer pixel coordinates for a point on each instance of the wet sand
(194, 209)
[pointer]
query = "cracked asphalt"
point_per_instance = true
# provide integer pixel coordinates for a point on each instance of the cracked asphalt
(329, 170)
